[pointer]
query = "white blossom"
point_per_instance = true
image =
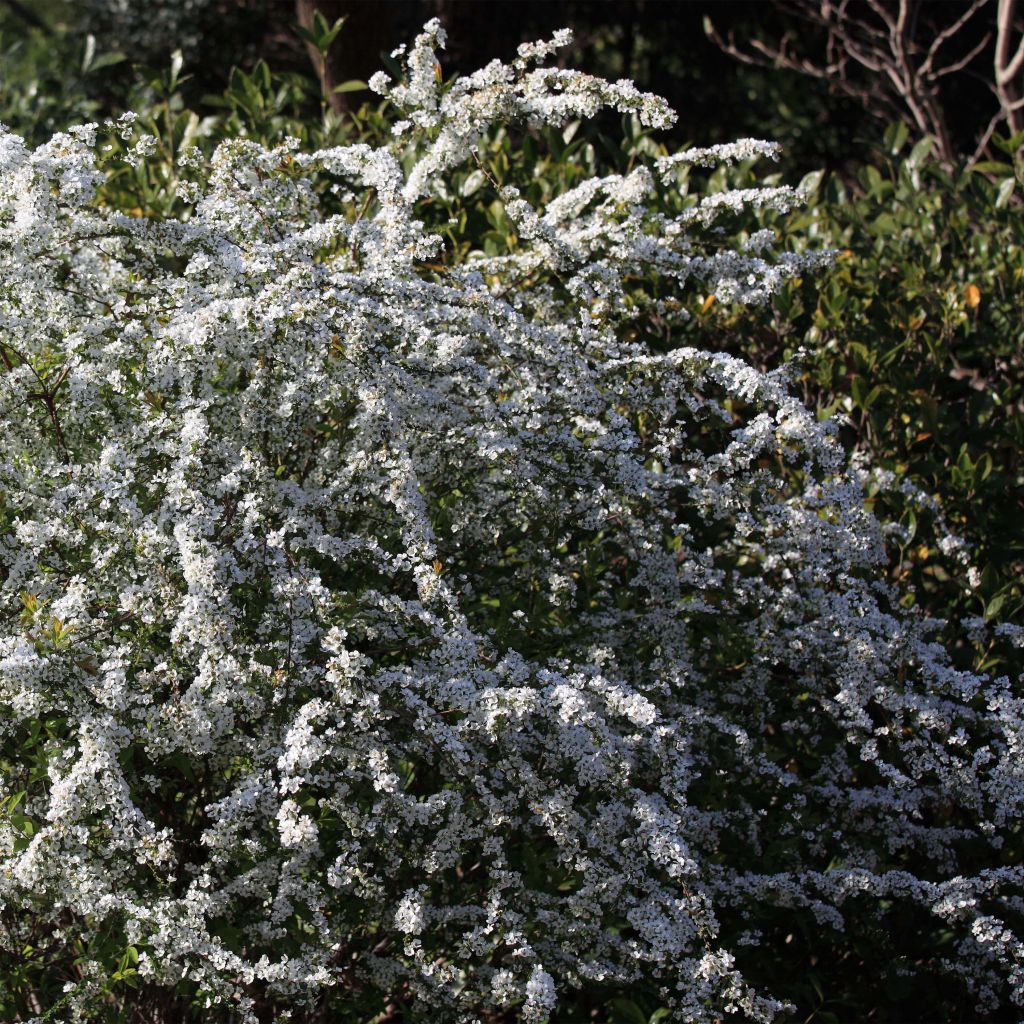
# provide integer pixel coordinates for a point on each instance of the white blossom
(347, 586)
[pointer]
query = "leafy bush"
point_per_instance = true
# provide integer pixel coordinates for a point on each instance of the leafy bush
(914, 340)
(393, 629)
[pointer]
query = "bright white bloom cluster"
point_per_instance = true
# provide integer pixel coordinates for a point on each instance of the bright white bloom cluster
(403, 631)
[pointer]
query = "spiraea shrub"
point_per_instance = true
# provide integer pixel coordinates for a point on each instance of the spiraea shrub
(382, 634)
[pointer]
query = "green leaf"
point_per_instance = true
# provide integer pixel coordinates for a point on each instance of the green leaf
(885, 224)
(810, 183)
(328, 37)
(106, 60)
(321, 36)
(473, 183)
(262, 70)
(90, 52)
(874, 181)
(320, 26)
(921, 151)
(625, 1011)
(895, 137)
(992, 167)
(1009, 144)
(353, 85)
(1006, 188)
(23, 824)
(910, 521)
(177, 62)
(189, 131)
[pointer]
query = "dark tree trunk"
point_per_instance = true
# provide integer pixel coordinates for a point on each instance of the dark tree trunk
(373, 27)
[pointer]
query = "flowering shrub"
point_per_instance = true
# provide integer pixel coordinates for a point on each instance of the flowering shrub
(383, 635)
(915, 335)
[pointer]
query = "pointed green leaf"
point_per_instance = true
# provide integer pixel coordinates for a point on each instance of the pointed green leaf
(353, 85)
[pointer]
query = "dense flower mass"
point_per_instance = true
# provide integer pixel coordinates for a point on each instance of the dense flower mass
(402, 630)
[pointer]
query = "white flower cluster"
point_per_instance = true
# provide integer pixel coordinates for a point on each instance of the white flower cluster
(406, 631)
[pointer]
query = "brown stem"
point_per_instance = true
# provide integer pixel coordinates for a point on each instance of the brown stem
(373, 27)
(27, 14)
(1008, 67)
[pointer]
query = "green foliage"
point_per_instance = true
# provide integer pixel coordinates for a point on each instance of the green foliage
(914, 340)
(321, 35)
(48, 80)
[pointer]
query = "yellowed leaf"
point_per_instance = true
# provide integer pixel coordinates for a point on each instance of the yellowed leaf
(972, 295)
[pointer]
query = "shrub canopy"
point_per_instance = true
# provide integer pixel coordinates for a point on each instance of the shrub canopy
(379, 629)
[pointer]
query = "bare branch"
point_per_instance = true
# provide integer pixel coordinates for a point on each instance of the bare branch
(959, 65)
(729, 46)
(948, 33)
(1007, 69)
(1013, 69)
(880, 10)
(897, 48)
(876, 62)
(1004, 30)
(876, 35)
(901, 21)
(779, 58)
(986, 138)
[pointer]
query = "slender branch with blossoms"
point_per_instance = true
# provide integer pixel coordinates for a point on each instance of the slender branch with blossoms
(405, 639)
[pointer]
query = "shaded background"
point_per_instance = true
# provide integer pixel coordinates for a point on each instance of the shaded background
(661, 44)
